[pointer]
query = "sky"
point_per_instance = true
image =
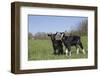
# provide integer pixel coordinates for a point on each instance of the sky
(43, 23)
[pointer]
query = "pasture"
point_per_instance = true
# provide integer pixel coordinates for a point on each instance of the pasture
(43, 50)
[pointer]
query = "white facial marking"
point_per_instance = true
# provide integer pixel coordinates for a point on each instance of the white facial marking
(77, 50)
(61, 36)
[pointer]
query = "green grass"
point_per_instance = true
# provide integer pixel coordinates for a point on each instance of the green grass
(43, 50)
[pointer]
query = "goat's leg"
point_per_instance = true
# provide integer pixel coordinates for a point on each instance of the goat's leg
(60, 50)
(77, 49)
(66, 51)
(55, 51)
(69, 51)
(80, 44)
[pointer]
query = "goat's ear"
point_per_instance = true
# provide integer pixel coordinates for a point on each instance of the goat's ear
(61, 33)
(56, 33)
(49, 34)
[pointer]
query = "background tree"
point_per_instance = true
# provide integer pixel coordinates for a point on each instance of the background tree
(41, 35)
(30, 36)
(81, 30)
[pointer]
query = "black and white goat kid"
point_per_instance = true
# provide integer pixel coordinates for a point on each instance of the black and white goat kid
(69, 41)
(57, 44)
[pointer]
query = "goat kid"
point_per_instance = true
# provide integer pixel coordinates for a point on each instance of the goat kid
(69, 41)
